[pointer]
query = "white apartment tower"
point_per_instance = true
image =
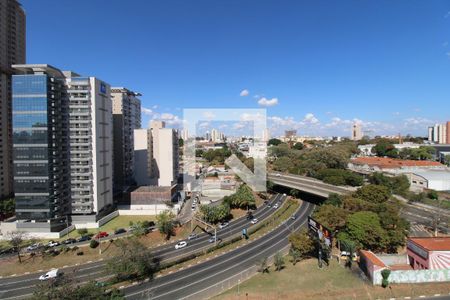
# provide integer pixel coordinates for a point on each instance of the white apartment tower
(91, 144)
(156, 155)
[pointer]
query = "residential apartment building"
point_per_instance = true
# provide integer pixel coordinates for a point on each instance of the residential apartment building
(357, 133)
(126, 118)
(62, 136)
(439, 133)
(12, 51)
(91, 145)
(156, 155)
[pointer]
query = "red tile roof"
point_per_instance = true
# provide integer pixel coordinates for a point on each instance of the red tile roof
(433, 243)
(390, 163)
(372, 257)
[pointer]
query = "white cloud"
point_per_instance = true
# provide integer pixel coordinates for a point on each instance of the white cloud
(447, 15)
(244, 93)
(146, 111)
(310, 119)
(203, 125)
(155, 106)
(266, 102)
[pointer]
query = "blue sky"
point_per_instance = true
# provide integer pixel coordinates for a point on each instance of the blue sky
(319, 64)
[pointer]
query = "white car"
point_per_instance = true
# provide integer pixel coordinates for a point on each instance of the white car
(278, 175)
(212, 239)
(275, 206)
(223, 225)
(192, 236)
(180, 245)
(254, 220)
(34, 247)
(53, 274)
(52, 244)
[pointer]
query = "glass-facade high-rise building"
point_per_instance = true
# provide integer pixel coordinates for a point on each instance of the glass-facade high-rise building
(40, 116)
(62, 135)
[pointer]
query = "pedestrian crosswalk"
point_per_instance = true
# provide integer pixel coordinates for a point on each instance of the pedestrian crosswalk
(419, 230)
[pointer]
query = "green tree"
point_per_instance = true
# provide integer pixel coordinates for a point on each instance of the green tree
(135, 261)
(447, 159)
(7, 206)
(278, 261)
(298, 146)
(215, 214)
(353, 204)
(365, 229)
(334, 199)
(301, 243)
(350, 247)
(263, 267)
(433, 195)
(274, 142)
(165, 222)
(69, 289)
(385, 274)
(385, 148)
(331, 216)
(373, 193)
(82, 231)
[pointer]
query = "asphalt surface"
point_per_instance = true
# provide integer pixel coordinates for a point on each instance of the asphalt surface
(307, 184)
(188, 282)
(18, 287)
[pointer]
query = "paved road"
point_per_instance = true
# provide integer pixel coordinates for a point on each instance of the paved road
(188, 282)
(308, 184)
(22, 286)
(417, 213)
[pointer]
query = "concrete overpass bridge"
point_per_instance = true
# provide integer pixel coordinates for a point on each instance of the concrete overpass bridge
(308, 184)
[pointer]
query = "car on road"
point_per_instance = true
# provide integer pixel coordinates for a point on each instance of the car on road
(192, 236)
(69, 241)
(34, 247)
(254, 221)
(84, 238)
(212, 239)
(53, 244)
(275, 206)
(193, 206)
(53, 274)
(293, 217)
(223, 225)
(278, 175)
(284, 195)
(180, 245)
(119, 231)
(101, 234)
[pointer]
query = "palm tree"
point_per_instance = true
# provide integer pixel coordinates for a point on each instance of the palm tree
(350, 247)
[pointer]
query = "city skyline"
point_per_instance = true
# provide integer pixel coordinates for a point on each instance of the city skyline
(329, 64)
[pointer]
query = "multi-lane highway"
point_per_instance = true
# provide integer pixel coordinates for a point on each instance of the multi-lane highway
(23, 286)
(191, 281)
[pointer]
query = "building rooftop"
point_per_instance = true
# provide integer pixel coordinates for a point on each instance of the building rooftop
(434, 174)
(373, 258)
(390, 163)
(152, 188)
(433, 243)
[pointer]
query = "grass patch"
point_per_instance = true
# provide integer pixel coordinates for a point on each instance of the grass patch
(306, 281)
(33, 264)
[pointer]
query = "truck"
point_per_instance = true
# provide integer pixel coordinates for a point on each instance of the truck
(52, 274)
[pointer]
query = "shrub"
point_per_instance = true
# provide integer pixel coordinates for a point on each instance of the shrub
(82, 231)
(79, 253)
(385, 274)
(74, 248)
(93, 244)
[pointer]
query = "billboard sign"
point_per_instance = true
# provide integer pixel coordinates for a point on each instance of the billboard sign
(320, 231)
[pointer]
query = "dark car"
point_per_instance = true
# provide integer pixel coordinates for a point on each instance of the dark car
(119, 231)
(84, 238)
(69, 241)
